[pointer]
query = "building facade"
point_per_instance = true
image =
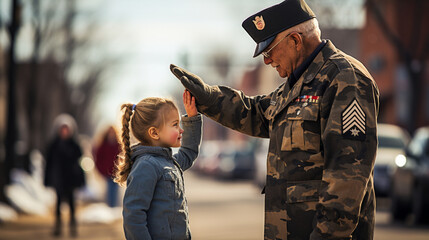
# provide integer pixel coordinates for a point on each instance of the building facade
(393, 41)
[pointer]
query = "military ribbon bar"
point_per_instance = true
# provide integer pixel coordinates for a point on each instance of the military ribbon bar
(308, 98)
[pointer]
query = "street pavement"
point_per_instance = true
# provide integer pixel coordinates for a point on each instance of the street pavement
(40, 227)
(219, 210)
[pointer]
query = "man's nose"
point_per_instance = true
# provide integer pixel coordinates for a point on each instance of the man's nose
(267, 61)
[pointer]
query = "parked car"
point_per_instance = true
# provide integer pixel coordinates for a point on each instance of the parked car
(237, 160)
(392, 142)
(208, 158)
(410, 191)
(227, 159)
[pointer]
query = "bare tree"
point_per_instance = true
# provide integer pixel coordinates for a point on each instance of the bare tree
(60, 49)
(11, 99)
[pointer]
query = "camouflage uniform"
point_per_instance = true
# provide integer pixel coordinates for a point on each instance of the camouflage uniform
(322, 146)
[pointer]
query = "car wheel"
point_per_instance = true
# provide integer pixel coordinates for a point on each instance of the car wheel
(399, 209)
(420, 207)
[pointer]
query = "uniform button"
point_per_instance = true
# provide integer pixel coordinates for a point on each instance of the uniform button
(299, 112)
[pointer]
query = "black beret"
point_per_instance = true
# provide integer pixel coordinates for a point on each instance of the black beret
(264, 26)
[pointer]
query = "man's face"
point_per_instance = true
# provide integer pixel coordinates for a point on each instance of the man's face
(283, 57)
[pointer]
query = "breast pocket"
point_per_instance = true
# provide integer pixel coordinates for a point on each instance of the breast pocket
(171, 182)
(302, 129)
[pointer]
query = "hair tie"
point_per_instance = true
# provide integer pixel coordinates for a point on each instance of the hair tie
(134, 107)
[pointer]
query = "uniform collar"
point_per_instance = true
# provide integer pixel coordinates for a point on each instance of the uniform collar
(314, 67)
(309, 74)
(304, 65)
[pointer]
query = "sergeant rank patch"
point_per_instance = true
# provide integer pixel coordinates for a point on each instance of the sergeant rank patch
(353, 122)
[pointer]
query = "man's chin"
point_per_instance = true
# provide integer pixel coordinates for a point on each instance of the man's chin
(282, 75)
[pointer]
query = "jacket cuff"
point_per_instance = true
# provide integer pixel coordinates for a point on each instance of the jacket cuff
(196, 118)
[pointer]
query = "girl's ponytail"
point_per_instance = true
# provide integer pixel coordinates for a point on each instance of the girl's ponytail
(124, 164)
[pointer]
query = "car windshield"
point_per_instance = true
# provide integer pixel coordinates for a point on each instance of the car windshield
(390, 142)
(419, 144)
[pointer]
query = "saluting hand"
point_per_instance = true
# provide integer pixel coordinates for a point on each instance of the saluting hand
(189, 102)
(200, 90)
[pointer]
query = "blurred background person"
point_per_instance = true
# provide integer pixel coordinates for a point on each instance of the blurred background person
(105, 154)
(62, 170)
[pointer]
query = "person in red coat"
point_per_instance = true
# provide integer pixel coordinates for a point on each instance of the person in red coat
(105, 157)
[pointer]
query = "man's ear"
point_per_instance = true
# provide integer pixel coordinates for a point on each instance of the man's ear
(296, 37)
(153, 133)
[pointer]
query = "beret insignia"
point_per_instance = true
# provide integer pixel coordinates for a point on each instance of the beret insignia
(259, 22)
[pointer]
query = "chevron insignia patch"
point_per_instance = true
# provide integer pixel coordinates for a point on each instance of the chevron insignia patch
(353, 122)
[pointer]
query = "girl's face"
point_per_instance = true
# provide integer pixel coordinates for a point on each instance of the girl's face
(170, 134)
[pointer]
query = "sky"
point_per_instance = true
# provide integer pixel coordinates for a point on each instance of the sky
(145, 37)
(161, 32)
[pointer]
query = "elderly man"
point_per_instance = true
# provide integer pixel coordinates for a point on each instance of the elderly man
(321, 123)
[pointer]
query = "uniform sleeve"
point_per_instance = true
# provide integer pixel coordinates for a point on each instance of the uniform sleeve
(348, 129)
(235, 110)
(141, 185)
(191, 140)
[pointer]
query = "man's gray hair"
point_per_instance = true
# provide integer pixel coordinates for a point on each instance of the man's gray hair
(308, 28)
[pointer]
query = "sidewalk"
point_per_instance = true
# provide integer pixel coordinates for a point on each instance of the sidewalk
(40, 228)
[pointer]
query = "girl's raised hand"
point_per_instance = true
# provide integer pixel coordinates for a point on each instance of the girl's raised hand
(189, 102)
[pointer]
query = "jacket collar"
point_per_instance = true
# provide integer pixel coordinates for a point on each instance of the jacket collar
(296, 74)
(309, 74)
(313, 69)
(138, 150)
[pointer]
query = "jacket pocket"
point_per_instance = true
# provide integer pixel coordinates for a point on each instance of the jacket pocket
(171, 184)
(303, 191)
(302, 130)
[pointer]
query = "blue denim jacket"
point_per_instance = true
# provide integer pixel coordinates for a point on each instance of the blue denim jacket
(155, 206)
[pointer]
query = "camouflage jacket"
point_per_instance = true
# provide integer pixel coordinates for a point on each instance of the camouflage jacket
(323, 143)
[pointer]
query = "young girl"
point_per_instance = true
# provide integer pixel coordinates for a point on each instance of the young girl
(154, 203)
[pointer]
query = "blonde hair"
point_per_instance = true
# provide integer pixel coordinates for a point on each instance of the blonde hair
(149, 112)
